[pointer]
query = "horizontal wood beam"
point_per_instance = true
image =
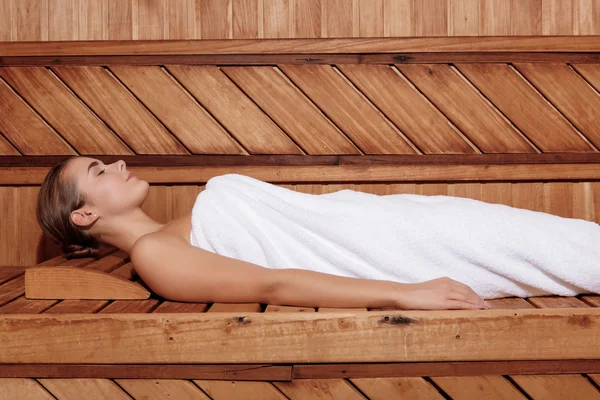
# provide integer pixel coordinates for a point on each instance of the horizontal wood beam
(239, 338)
(485, 44)
(313, 58)
(268, 372)
(315, 160)
(342, 173)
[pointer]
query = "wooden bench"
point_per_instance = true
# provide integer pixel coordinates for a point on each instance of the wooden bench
(545, 159)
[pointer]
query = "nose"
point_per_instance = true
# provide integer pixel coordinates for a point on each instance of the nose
(121, 165)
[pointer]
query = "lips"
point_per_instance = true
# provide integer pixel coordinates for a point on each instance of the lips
(129, 176)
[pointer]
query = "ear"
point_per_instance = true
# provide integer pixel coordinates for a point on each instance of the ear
(83, 217)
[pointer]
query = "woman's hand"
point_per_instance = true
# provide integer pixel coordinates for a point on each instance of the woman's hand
(440, 294)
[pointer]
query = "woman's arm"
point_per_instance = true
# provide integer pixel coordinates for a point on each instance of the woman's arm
(180, 272)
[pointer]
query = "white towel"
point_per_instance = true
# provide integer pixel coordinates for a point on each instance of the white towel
(495, 249)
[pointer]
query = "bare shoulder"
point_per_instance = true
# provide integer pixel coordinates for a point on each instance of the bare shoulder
(156, 244)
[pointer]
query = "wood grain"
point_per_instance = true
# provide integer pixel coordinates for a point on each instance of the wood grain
(18, 117)
(117, 107)
(546, 128)
(526, 17)
(416, 117)
(233, 109)
(53, 100)
(570, 94)
(363, 124)
(480, 121)
(177, 110)
(291, 110)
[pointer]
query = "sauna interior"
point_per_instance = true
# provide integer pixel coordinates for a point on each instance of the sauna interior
(495, 100)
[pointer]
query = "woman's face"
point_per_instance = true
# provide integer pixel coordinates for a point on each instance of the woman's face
(110, 189)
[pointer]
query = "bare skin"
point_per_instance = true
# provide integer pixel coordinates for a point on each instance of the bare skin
(165, 259)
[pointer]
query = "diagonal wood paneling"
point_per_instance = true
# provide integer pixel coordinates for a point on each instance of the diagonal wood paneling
(541, 123)
(233, 109)
(591, 73)
(570, 94)
(40, 88)
(422, 123)
(120, 110)
(290, 109)
(363, 123)
(467, 109)
(478, 387)
(177, 109)
(84, 389)
(23, 127)
(7, 149)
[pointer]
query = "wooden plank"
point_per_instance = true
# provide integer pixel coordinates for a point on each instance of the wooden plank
(63, 20)
(182, 19)
(399, 388)
(163, 389)
(9, 234)
(92, 389)
(291, 110)
(463, 17)
(276, 19)
(28, 15)
(8, 272)
(558, 198)
(93, 20)
(120, 20)
(557, 17)
(406, 336)
(371, 18)
(586, 17)
(399, 18)
(569, 93)
(341, 173)
(116, 106)
(338, 18)
(557, 387)
(478, 387)
(418, 119)
(547, 128)
(152, 18)
(330, 160)
(29, 234)
(480, 121)
(533, 44)
(18, 117)
(308, 58)
(495, 18)
(215, 19)
(431, 18)
(15, 388)
(53, 100)
(442, 369)
(234, 110)
(591, 73)
(159, 203)
(312, 388)
(268, 372)
(245, 19)
(20, 305)
(177, 110)
(526, 17)
(7, 149)
(184, 198)
(363, 123)
(307, 19)
(233, 389)
(7, 32)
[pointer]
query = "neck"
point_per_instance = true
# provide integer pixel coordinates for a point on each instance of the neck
(123, 231)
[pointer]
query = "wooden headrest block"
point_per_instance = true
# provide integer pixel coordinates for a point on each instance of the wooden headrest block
(60, 283)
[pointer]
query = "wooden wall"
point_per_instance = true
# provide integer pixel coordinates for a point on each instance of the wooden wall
(41, 20)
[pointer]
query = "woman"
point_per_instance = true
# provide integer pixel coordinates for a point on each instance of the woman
(83, 202)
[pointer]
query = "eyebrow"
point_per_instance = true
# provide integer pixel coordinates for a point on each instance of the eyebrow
(92, 164)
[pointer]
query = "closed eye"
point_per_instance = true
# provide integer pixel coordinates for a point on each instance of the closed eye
(101, 172)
